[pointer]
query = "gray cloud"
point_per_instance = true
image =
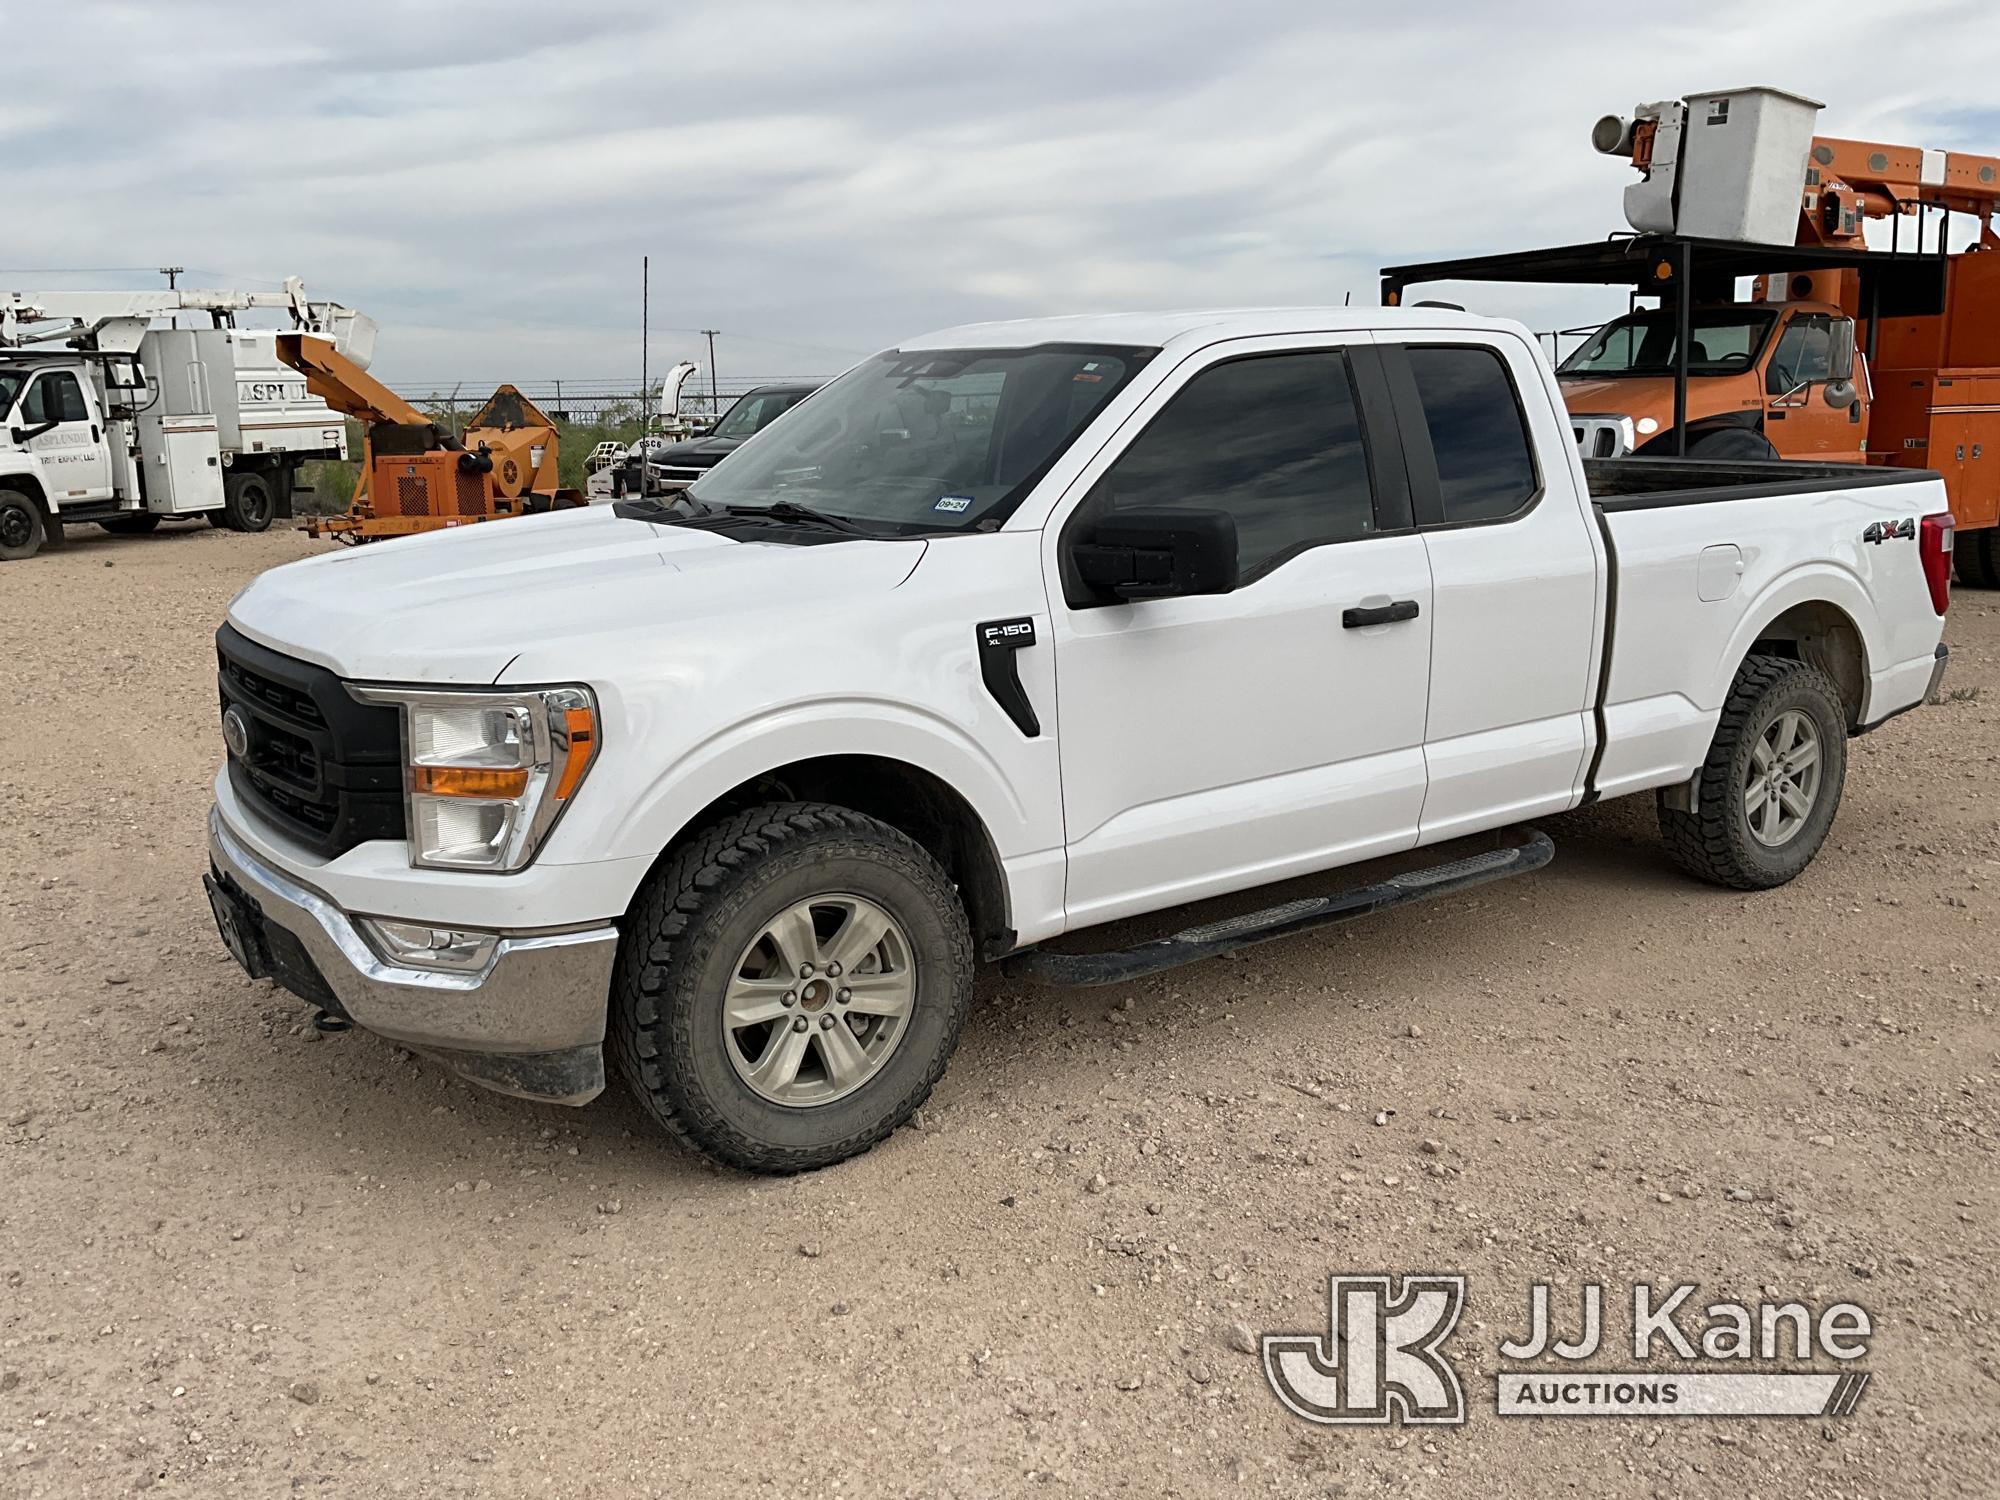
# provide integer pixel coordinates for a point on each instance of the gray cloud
(816, 178)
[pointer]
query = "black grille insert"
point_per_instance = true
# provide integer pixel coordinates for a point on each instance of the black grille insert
(321, 767)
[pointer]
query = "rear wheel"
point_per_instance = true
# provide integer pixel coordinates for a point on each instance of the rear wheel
(1976, 555)
(247, 503)
(136, 524)
(22, 528)
(791, 986)
(1767, 793)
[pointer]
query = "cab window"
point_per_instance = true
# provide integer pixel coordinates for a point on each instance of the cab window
(1274, 439)
(1804, 354)
(54, 397)
(1479, 435)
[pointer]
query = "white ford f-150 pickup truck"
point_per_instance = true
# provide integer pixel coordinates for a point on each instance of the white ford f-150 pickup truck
(1008, 632)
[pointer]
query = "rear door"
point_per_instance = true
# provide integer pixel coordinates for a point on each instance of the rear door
(1214, 743)
(74, 461)
(1515, 575)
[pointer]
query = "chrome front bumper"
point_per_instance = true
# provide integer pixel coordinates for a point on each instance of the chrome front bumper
(529, 1023)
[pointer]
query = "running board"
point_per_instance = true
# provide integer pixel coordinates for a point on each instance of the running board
(1531, 850)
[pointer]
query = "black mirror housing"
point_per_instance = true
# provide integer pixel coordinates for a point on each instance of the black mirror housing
(1157, 552)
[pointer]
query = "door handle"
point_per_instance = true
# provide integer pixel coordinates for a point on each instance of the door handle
(1384, 614)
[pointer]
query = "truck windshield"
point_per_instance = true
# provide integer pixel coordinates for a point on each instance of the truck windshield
(1726, 341)
(11, 382)
(926, 440)
(756, 411)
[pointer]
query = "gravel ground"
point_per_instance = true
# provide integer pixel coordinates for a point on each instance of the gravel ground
(239, 1258)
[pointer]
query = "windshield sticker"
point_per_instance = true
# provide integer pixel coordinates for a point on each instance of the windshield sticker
(953, 502)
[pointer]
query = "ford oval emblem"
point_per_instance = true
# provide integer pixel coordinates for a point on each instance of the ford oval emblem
(236, 733)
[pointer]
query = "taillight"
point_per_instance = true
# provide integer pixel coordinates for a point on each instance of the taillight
(1934, 538)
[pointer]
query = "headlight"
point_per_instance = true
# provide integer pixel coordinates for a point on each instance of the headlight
(487, 773)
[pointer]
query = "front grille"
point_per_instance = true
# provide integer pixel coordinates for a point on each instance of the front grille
(320, 767)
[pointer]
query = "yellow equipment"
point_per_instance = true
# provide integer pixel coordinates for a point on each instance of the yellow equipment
(415, 476)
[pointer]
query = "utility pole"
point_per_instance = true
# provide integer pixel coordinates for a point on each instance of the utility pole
(714, 402)
(645, 346)
(173, 275)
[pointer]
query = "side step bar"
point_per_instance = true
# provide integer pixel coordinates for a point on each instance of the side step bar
(1531, 850)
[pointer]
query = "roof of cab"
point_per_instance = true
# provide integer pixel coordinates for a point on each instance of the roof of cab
(1154, 330)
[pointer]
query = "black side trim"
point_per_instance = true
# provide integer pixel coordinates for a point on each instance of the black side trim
(1388, 466)
(1621, 484)
(1000, 641)
(1590, 791)
(1426, 492)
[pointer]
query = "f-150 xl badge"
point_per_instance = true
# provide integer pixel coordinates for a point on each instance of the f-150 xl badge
(999, 640)
(1882, 531)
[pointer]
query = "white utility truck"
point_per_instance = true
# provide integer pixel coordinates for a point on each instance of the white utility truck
(105, 418)
(1010, 632)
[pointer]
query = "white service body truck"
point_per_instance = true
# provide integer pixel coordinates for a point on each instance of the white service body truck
(106, 419)
(1009, 632)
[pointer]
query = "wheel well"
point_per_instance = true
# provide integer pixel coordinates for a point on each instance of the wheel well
(910, 800)
(1821, 635)
(28, 485)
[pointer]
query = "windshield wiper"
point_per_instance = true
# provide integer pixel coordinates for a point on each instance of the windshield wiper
(791, 510)
(660, 508)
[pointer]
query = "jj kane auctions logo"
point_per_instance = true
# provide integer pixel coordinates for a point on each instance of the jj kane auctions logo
(1383, 1356)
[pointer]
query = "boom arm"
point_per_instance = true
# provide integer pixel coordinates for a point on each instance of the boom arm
(114, 322)
(1854, 178)
(344, 385)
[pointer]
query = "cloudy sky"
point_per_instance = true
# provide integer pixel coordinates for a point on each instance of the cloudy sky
(817, 179)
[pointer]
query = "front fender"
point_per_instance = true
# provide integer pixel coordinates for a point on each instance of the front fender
(662, 809)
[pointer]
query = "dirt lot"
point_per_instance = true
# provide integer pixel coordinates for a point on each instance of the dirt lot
(239, 1258)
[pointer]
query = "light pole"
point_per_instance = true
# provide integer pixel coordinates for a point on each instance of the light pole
(714, 401)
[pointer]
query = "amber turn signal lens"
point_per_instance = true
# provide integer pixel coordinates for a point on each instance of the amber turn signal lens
(468, 781)
(580, 727)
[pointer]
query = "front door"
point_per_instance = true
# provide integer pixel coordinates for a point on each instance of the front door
(1797, 419)
(70, 446)
(1214, 743)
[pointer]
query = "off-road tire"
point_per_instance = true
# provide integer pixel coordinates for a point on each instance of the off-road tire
(24, 530)
(1714, 842)
(137, 524)
(1976, 556)
(693, 919)
(248, 501)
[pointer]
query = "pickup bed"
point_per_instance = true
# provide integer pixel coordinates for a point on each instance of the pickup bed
(1008, 632)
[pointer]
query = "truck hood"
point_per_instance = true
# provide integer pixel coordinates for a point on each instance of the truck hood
(1637, 396)
(456, 606)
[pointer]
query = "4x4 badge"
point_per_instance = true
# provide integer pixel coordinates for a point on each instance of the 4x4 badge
(1882, 531)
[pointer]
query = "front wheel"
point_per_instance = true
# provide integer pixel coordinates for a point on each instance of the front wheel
(1766, 795)
(791, 985)
(22, 529)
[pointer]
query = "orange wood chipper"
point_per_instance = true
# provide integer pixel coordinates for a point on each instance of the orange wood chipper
(415, 475)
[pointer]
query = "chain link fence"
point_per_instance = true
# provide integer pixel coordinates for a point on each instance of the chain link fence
(587, 403)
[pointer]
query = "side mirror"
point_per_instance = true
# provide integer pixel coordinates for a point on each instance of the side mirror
(1840, 352)
(1839, 394)
(1157, 552)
